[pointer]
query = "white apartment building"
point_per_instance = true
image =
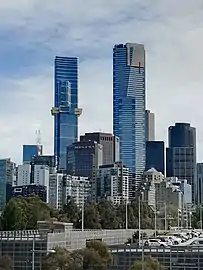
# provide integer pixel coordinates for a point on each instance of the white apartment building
(24, 174)
(37, 175)
(56, 199)
(112, 182)
(170, 191)
(63, 186)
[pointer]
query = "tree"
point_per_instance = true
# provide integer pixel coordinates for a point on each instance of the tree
(92, 217)
(23, 213)
(95, 256)
(62, 259)
(149, 263)
(108, 221)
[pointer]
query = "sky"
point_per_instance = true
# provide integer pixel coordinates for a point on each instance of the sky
(33, 32)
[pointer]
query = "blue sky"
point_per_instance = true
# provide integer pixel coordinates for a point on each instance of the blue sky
(33, 32)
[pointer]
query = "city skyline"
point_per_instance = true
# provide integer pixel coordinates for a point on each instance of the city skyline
(27, 76)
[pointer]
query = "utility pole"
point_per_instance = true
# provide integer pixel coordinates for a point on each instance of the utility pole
(126, 214)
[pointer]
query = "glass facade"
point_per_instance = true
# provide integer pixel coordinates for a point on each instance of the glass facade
(155, 156)
(7, 179)
(129, 105)
(181, 154)
(29, 151)
(65, 106)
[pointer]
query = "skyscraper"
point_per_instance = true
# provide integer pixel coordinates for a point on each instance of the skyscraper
(30, 151)
(181, 154)
(149, 126)
(155, 156)
(129, 105)
(65, 110)
(109, 142)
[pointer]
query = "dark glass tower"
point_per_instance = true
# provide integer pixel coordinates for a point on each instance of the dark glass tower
(155, 156)
(65, 108)
(181, 154)
(129, 105)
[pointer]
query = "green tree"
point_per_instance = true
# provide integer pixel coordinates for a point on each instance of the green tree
(70, 212)
(149, 263)
(62, 259)
(23, 213)
(14, 216)
(108, 221)
(92, 217)
(96, 256)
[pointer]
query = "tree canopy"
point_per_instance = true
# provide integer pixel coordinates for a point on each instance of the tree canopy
(95, 257)
(23, 213)
(149, 263)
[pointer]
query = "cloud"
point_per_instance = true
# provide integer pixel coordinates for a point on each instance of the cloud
(33, 32)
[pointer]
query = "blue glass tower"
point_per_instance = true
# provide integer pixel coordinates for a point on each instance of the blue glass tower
(30, 151)
(65, 110)
(129, 105)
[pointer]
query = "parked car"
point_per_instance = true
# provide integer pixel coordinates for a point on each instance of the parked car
(155, 243)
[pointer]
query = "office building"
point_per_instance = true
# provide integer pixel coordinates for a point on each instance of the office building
(29, 190)
(35, 175)
(24, 175)
(155, 156)
(149, 126)
(65, 110)
(199, 183)
(181, 155)
(112, 183)
(109, 142)
(64, 187)
(7, 180)
(49, 161)
(83, 158)
(129, 106)
(30, 151)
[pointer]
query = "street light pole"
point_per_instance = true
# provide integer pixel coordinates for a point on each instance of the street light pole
(33, 253)
(155, 221)
(126, 214)
(139, 216)
(165, 222)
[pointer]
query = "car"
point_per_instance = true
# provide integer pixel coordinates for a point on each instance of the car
(155, 243)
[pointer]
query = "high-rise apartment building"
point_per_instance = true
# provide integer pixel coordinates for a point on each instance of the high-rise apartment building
(109, 142)
(83, 158)
(24, 175)
(65, 110)
(155, 156)
(62, 187)
(112, 183)
(7, 179)
(181, 155)
(30, 151)
(129, 106)
(49, 161)
(149, 126)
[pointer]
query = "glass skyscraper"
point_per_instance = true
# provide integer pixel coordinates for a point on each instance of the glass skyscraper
(181, 155)
(65, 108)
(30, 151)
(129, 105)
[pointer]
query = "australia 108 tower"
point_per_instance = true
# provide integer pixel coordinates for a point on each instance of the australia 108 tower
(129, 107)
(65, 110)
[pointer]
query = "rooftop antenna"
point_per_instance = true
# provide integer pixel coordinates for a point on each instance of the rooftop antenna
(38, 142)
